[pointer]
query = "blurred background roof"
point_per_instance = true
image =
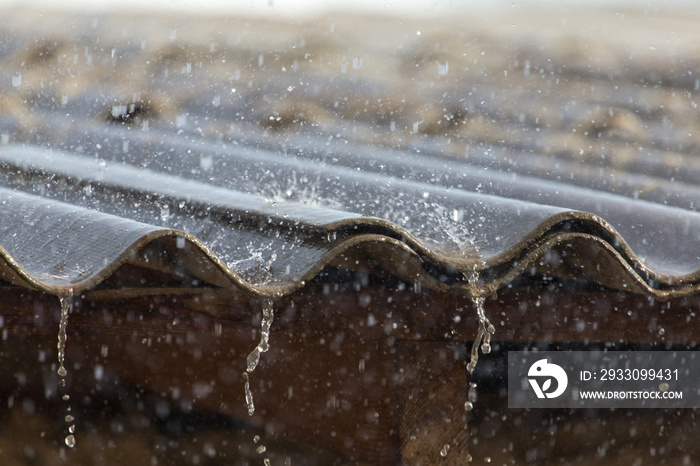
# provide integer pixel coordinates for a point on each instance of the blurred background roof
(301, 8)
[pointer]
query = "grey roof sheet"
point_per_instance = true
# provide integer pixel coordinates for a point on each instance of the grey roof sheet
(256, 162)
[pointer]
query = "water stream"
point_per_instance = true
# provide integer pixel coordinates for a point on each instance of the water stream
(252, 361)
(66, 307)
(483, 334)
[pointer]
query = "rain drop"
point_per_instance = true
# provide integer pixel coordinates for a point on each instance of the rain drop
(70, 441)
(164, 212)
(206, 162)
(471, 394)
(445, 450)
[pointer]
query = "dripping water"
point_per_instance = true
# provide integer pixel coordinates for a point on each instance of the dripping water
(483, 335)
(458, 231)
(66, 304)
(252, 362)
(261, 449)
(471, 397)
(248, 395)
(264, 344)
(486, 329)
(66, 307)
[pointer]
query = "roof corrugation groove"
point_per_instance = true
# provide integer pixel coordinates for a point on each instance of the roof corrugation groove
(246, 163)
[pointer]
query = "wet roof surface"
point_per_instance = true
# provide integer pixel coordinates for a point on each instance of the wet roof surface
(254, 154)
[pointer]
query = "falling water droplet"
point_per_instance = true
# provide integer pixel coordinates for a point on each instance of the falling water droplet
(248, 395)
(101, 171)
(445, 449)
(165, 212)
(70, 441)
(471, 394)
(206, 162)
(468, 406)
(253, 359)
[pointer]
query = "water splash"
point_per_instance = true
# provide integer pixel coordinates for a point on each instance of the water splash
(458, 231)
(254, 356)
(66, 307)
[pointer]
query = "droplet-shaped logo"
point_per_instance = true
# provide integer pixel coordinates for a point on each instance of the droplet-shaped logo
(540, 376)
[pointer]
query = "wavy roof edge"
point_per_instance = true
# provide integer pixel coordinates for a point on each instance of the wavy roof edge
(93, 245)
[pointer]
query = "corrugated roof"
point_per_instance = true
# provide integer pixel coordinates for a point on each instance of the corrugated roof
(256, 154)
